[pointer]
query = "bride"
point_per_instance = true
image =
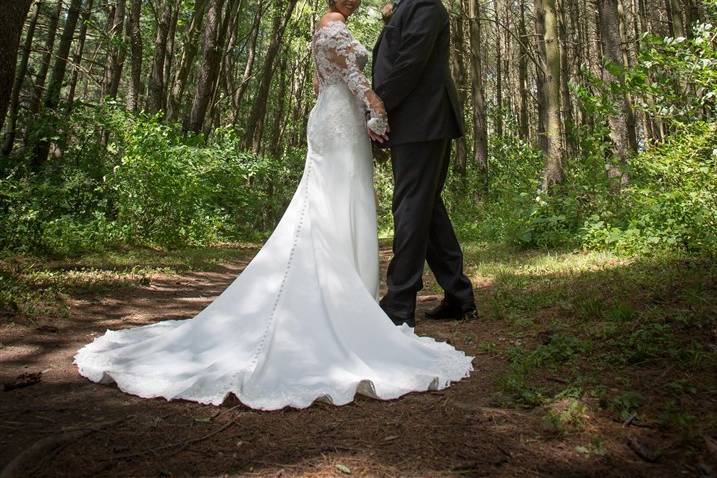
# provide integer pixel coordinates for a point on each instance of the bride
(302, 322)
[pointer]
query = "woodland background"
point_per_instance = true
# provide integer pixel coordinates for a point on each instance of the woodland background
(149, 146)
(175, 122)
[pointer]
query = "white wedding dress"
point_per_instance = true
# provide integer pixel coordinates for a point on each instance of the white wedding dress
(301, 322)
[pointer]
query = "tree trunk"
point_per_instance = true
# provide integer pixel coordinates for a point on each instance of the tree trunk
(13, 20)
(36, 99)
(678, 24)
(230, 22)
(134, 34)
(523, 74)
(479, 117)
(623, 146)
(693, 14)
(498, 75)
(211, 55)
(578, 33)
(540, 77)
(553, 173)
(7, 67)
(52, 95)
(566, 102)
(248, 68)
(458, 68)
(155, 93)
(275, 145)
(258, 112)
(630, 112)
(189, 53)
(117, 50)
(169, 58)
(77, 59)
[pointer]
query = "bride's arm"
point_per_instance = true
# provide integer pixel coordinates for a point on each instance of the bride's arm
(342, 55)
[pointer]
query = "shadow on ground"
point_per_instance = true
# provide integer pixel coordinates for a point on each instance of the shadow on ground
(78, 428)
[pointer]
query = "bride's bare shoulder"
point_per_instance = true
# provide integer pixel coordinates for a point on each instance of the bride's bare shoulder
(331, 17)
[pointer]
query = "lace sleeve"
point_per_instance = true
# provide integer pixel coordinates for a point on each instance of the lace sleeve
(338, 56)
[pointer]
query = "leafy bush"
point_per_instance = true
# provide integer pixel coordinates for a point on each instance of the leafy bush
(150, 185)
(672, 202)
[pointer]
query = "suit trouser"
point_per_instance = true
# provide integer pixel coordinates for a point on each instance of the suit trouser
(423, 230)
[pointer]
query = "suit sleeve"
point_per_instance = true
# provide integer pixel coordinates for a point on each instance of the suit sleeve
(424, 21)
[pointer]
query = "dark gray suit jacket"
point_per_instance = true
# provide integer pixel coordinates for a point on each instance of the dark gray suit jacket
(411, 74)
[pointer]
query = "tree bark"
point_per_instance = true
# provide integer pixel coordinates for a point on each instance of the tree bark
(189, 53)
(568, 120)
(134, 34)
(155, 93)
(7, 67)
(77, 59)
(169, 59)
(248, 68)
(13, 20)
(52, 95)
(498, 74)
(623, 145)
(258, 112)
(523, 74)
(117, 49)
(480, 125)
(38, 90)
(553, 173)
(275, 145)
(540, 77)
(693, 14)
(211, 55)
(229, 23)
(458, 68)
(678, 24)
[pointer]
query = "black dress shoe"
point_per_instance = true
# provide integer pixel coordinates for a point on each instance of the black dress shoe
(398, 321)
(448, 310)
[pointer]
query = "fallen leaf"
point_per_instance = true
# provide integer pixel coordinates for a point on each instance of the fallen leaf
(343, 469)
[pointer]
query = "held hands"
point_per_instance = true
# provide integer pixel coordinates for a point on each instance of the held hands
(377, 119)
(378, 130)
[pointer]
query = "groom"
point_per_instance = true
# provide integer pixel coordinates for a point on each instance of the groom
(412, 77)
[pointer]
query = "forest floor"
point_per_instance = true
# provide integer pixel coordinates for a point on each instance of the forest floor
(586, 364)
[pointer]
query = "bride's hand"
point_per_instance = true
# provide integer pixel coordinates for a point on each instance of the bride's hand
(378, 128)
(378, 138)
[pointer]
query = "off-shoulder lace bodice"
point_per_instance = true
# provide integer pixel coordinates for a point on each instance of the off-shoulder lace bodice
(341, 59)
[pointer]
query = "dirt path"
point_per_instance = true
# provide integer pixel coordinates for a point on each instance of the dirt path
(79, 428)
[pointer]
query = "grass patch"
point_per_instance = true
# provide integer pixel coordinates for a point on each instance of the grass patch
(639, 334)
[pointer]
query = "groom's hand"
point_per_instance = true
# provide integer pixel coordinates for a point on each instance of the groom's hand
(378, 138)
